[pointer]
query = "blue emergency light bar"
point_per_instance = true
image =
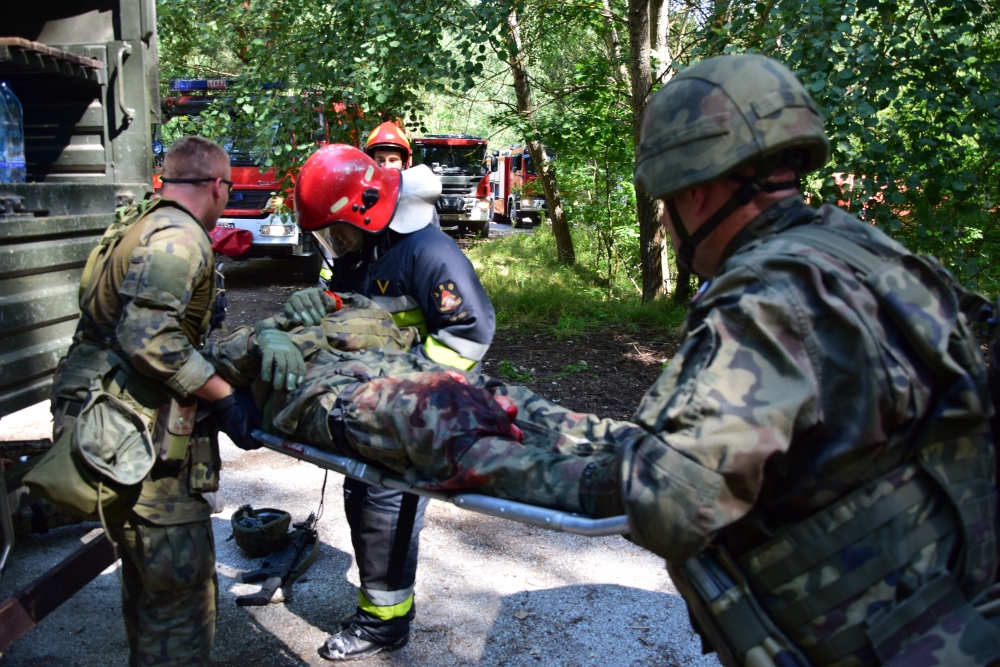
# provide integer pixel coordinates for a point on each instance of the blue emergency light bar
(183, 85)
(187, 85)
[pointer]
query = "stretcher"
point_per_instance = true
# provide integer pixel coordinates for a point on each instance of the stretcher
(532, 515)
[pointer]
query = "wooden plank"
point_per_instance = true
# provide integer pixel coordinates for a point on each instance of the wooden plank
(25, 608)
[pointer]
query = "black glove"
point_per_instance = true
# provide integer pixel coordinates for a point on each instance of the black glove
(237, 417)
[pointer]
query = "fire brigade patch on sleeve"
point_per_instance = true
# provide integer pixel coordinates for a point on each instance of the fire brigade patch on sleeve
(446, 297)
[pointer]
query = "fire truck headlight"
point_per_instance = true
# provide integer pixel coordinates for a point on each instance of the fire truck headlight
(527, 203)
(277, 230)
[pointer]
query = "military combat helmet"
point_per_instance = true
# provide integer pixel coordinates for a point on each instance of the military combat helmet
(722, 114)
(718, 116)
(260, 532)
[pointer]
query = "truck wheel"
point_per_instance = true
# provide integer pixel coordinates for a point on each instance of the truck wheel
(512, 213)
(311, 266)
(484, 230)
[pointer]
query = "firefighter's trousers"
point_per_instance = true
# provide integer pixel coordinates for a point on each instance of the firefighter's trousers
(385, 531)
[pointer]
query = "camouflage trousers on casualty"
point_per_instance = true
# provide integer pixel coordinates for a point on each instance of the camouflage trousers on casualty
(169, 591)
(446, 430)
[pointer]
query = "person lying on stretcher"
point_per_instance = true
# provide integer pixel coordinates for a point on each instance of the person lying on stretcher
(366, 397)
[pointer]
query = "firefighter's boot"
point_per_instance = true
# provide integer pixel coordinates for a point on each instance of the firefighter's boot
(346, 645)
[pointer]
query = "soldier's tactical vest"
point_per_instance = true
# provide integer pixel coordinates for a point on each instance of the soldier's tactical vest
(845, 568)
(91, 357)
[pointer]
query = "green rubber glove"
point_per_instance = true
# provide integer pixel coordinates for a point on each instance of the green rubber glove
(308, 306)
(281, 362)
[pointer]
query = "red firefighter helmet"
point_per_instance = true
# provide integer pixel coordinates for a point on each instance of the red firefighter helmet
(388, 136)
(340, 184)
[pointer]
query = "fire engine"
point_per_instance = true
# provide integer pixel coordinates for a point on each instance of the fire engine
(516, 196)
(460, 162)
(255, 193)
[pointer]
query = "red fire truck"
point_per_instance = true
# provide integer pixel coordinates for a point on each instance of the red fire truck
(255, 193)
(516, 195)
(460, 162)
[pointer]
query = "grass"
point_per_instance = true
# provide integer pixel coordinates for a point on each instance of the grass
(530, 289)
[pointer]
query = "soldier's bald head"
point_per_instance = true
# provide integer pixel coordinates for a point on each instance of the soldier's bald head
(195, 157)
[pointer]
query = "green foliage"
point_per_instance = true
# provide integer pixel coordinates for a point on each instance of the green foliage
(529, 288)
(909, 90)
(572, 368)
(510, 371)
(343, 65)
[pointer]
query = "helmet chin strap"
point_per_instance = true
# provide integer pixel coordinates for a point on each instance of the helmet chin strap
(750, 186)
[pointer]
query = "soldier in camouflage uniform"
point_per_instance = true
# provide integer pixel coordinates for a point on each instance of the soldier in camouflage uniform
(816, 463)
(148, 298)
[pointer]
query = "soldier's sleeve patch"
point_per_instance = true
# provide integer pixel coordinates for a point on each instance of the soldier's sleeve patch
(446, 297)
(168, 273)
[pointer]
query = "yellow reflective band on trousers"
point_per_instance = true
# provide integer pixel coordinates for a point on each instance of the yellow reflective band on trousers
(385, 613)
(442, 354)
(325, 273)
(411, 318)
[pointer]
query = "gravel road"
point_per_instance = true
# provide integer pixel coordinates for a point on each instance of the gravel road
(489, 591)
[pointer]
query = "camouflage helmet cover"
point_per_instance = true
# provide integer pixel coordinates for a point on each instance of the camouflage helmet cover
(260, 532)
(722, 114)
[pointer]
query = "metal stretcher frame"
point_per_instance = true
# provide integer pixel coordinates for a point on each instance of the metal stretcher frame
(542, 517)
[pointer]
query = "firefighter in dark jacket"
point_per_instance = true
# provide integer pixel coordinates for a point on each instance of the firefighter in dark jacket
(389, 250)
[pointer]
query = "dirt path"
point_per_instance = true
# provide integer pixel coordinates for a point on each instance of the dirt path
(489, 592)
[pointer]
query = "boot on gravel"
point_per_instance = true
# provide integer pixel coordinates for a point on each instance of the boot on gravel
(346, 645)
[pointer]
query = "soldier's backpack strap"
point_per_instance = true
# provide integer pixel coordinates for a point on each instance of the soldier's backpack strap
(97, 261)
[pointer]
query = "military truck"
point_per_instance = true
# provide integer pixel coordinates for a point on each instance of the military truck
(86, 74)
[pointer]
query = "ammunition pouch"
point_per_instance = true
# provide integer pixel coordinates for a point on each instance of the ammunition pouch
(768, 607)
(175, 421)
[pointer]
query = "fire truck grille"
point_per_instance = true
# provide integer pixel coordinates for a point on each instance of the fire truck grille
(249, 199)
(460, 187)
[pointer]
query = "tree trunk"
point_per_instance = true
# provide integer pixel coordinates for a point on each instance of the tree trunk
(522, 89)
(614, 45)
(659, 31)
(651, 235)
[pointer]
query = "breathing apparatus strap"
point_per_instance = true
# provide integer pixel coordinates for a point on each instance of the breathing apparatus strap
(750, 186)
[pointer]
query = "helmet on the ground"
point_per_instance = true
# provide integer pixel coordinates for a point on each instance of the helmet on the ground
(340, 184)
(260, 532)
(388, 136)
(723, 114)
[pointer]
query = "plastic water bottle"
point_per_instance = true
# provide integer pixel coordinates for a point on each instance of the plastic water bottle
(15, 135)
(5, 122)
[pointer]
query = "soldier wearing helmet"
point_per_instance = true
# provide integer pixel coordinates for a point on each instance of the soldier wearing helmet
(816, 463)
(379, 224)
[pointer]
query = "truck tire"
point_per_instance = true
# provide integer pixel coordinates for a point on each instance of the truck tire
(484, 230)
(310, 266)
(512, 213)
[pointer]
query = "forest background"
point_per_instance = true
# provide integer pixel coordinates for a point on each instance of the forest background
(909, 91)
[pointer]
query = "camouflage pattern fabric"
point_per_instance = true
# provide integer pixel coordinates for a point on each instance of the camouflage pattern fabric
(721, 114)
(154, 301)
(152, 306)
(169, 592)
(788, 394)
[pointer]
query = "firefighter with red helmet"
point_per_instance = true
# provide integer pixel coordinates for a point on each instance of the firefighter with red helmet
(388, 146)
(378, 224)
